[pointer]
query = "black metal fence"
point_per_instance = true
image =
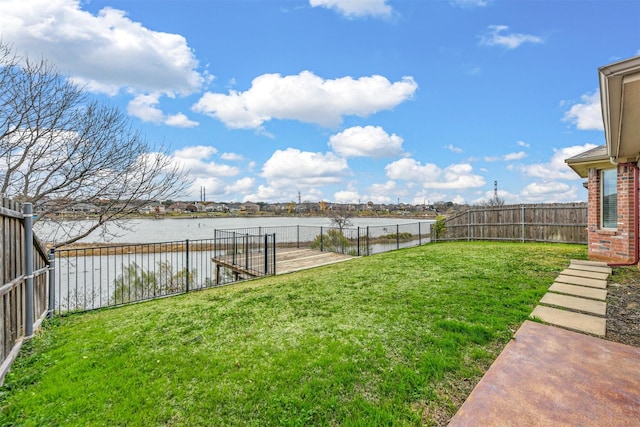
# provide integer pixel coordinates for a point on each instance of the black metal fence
(357, 241)
(106, 276)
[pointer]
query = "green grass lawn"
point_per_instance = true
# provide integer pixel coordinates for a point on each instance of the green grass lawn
(398, 338)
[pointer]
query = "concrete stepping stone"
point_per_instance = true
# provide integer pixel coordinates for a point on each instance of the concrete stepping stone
(588, 262)
(582, 281)
(575, 303)
(585, 273)
(593, 268)
(570, 320)
(579, 291)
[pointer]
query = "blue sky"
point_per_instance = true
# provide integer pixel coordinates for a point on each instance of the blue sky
(347, 101)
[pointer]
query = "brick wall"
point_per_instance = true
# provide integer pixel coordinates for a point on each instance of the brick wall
(613, 245)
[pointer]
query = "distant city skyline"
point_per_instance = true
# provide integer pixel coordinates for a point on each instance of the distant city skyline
(346, 101)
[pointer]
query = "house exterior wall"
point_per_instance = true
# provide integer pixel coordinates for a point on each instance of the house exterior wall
(615, 246)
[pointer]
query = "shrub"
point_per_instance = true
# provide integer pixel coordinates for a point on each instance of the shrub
(332, 241)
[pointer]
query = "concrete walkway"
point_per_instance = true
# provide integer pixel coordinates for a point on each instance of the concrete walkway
(577, 299)
(562, 375)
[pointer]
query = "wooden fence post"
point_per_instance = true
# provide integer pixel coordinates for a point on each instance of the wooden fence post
(523, 223)
(28, 265)
(52, 282)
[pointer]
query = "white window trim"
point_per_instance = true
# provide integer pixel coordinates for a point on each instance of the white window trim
(601, 201)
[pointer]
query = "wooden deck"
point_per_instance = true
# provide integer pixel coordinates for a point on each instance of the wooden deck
(288, 260)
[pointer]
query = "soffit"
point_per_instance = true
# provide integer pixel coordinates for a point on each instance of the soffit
(595, 158)
(620, 99)
(630, 121)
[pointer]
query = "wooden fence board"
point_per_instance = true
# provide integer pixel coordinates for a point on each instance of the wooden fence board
(561, 223)
(12, 273)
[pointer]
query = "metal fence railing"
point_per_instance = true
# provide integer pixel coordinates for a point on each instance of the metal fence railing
(106, 276)
(358, 241)
(89, 278)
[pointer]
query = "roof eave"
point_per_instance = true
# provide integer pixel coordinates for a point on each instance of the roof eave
(611, 98)
(582, 167)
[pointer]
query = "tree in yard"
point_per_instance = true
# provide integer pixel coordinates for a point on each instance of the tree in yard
(60, 148)
(341, 218)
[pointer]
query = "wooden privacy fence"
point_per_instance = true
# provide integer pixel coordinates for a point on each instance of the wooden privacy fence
(557, 223)
(24, 274)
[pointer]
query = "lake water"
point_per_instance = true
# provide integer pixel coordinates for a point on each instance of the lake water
(171, 229)
(89, 282)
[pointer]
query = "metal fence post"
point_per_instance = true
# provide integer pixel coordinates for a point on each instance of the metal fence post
(274, 253)
(52, 282)
(298, 236)
(235, 247)
(358, 241)
(368, 252)
(321, 238)
(266, 254)
(246, 251)
(419, 235)
(397, 236)
(187, 264)
(28, 268)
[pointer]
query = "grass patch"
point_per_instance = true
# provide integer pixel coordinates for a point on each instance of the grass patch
(398, 338)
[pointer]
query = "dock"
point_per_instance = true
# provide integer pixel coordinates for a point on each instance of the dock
(287, 260)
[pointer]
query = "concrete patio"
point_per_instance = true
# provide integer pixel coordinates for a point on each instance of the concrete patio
(561, 373)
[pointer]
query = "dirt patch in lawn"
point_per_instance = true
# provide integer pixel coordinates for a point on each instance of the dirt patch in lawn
(623, 306)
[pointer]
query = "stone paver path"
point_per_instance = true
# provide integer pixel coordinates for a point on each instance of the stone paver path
(577, 298)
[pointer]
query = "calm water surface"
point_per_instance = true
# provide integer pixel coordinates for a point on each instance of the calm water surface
(170, 229)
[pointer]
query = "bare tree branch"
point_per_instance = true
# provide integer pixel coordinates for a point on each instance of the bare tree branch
(59, 148)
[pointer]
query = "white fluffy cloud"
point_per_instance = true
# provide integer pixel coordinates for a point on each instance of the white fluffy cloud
(197, 160)
(514, 156)
(269, 193)
(206, 173)
(145, 108)
(497, 35)
(548, 192)
(586, 115)
(507, 157)
(368, 141)
(453, 177)
(556, 168)
(234, 157)
(347, 196)
(106, 52)
(381, 193)
(305, 97)
(299, 169)
(241, 186)
(179, 120)
(356, 8)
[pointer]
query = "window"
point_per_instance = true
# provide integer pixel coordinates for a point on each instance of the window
(609, 198)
